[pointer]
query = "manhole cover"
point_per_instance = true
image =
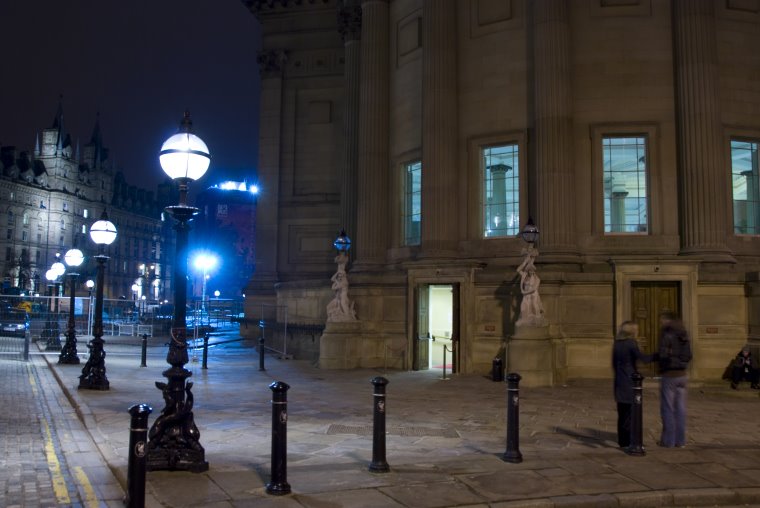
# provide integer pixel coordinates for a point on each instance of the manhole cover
(366, 430)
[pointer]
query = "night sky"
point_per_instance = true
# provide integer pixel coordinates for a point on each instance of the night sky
(140, 64)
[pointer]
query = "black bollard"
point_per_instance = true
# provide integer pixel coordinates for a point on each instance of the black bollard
(261, 352)
(379, 464)
(144, 353)
(204, 365)
(497, 370)
(636, 447)
(136, 467)
(278, 484)
(512, 454)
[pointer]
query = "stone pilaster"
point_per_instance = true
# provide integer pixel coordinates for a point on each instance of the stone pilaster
(349, 25)
(271, 65)
(554, 179)
(439, 128)
(372, 183)
(703, 191)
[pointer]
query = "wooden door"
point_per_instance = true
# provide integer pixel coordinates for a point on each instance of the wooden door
(421, 359)
(648, 301)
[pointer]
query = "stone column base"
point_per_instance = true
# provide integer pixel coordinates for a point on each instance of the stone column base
(530, 354)
(339, 346)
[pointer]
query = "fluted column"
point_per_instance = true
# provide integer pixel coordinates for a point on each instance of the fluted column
(439, 128)
(703, 205)
(554, 182)
(271, 66)
(372, 229)
(349, 25)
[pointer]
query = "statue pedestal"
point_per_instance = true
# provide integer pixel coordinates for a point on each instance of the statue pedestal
(340, 345)
(530, 353)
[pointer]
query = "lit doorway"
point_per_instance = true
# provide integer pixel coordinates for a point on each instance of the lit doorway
(437, 327)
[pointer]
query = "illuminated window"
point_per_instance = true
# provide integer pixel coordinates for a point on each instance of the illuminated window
(624, 160)
(501, 190)
(412, 203)
(745, 187)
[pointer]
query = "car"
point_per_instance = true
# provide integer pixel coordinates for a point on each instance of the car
(14, 322)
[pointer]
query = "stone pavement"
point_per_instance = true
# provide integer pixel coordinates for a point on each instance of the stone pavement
(444, 440)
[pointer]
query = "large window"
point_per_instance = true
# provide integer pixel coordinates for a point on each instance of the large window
(745, 185)
(501, 190)
(626, 203)
(412, 202)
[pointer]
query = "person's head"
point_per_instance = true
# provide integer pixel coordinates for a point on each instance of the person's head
(627, 330)
(745, 350)
(667, 317)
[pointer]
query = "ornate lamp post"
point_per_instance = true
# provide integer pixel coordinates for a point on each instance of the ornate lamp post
(531, 308)
(341, 308)
(52, 332)
(174, 440)
(93, 377)
(204, 262)
(73, 259)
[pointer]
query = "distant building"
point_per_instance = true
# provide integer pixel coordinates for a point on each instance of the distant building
(51, 195)
(431, 131)
(225, 228)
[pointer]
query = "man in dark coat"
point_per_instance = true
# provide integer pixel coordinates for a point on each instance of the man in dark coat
(746, 368)
(674, 357)
(625, 354)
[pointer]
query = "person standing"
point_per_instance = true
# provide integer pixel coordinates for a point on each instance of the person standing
(674, 357)
(625, 354)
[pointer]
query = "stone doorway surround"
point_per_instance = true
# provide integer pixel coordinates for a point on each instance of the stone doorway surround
(634, 270)
(444, 275)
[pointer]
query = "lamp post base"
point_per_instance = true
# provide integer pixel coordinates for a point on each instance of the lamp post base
(94, 372)
(174, 440)
(69, 351)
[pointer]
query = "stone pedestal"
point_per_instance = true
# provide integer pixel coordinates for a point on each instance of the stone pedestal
(530, 354)
(340, 345)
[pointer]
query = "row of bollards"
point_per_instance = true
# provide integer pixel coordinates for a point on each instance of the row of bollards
(278, 484)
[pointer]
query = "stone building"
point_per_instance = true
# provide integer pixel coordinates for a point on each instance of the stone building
(50, 196)
(432, 130)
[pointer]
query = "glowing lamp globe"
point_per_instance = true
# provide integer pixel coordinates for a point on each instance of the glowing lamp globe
(58, 268)
(103, 232)
(73, 257)
(51, 275)
(343, 242)
(530, 232)
(184, 155)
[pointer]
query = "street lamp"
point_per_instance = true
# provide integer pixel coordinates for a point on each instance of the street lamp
(90, 284)
(73, 259)
(93, 377)
(52, 332)
(204, 262)
(174, 439)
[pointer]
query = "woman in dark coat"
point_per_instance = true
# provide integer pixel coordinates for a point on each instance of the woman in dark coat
(625, 354)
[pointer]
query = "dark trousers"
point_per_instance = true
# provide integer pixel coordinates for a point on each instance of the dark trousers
(738, 375)
(624, 424)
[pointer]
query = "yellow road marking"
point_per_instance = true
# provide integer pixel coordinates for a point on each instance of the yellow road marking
(90, 498)
(59, 483)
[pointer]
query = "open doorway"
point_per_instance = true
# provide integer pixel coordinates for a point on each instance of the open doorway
(437, 327)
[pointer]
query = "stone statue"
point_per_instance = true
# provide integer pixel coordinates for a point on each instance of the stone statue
(531, 308)
(340, 308)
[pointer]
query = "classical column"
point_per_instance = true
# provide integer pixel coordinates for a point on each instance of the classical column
(702, 175)
(372, 230)
(349, 26)
(271, 66)
(554, 182)
(439, 128)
